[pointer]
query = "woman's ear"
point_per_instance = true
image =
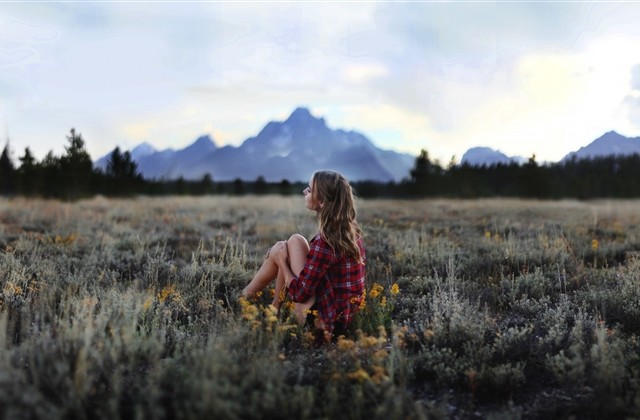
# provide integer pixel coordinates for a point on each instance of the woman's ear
(321, 203)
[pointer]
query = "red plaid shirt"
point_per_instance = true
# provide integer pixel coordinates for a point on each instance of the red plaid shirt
(336, 281)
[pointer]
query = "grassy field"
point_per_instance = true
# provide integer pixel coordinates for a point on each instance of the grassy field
(474, 309)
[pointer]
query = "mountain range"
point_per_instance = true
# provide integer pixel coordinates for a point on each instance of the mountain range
(479, 156)
(293, 149)
(609, 144)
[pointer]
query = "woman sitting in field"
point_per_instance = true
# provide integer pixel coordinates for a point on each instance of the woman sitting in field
(328, 273)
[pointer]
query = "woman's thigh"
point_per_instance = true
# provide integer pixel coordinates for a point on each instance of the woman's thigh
(298, 249)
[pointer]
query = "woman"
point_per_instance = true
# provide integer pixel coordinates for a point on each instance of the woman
(327, 274)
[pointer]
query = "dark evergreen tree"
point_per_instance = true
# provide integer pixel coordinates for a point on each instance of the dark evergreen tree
(421, 173)
(122, 173)
(260, 186)
(205, 185)
(76, 167)
(28, 176)
(533, 179)
(7, 172)
(284, 187)
(49, 170)
(181, 187)
(238, 186)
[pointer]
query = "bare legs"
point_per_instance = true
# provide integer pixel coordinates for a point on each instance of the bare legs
(267, 272)
(298, 248)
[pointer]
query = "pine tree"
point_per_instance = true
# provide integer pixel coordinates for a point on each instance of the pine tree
(28, 173)
(122, 172)
(7, 172)
(50, 171)
(423, 173)
(76, 167)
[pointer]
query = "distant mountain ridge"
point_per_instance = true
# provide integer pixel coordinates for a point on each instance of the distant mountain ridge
(609, 144)
(292, 149)
(479, 156)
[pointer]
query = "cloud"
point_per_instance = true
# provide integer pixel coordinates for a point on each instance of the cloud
(445, 76)
(362, 73)
(632, 99)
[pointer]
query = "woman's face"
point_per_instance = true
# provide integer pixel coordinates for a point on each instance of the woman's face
(310, 200)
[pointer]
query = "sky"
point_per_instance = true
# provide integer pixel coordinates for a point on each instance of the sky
(524, 78)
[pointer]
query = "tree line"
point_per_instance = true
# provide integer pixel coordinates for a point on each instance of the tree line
(70, 176)
(607, 176)
(73, 176)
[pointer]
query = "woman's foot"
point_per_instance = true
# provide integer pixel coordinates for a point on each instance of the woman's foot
(246, 294)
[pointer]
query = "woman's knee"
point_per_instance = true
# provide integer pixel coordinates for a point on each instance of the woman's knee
(269, 255)
(298, 249)
(298, 241)
(297, 237)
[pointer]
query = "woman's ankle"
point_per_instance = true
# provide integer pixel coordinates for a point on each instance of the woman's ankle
(277, 303)
(246, 293)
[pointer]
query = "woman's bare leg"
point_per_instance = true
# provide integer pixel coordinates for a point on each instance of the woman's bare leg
(265, 275)
(279, 293)
(298, 249)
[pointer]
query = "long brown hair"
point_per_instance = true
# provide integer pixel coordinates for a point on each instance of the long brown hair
(337, 215)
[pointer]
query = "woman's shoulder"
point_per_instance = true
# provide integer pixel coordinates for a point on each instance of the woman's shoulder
(318, 239)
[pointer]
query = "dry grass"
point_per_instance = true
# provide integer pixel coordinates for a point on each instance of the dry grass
(492, 308)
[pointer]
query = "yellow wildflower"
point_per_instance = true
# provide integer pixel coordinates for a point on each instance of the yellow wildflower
(270, 310)
(147, 303)
(380, 355)
(12, 289)
(287, 327)
(428, 334)
(363, 300)
(204, 304)
(594, 245)
(313, 312)
(308, 337)
(359, 375)
(363, 303)
(375, 291)
(400, 334)
(249, 312)
(169, 292)
(367, 341)
(345, 344)
(382, 333)
(395, 289)
(379, 374)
